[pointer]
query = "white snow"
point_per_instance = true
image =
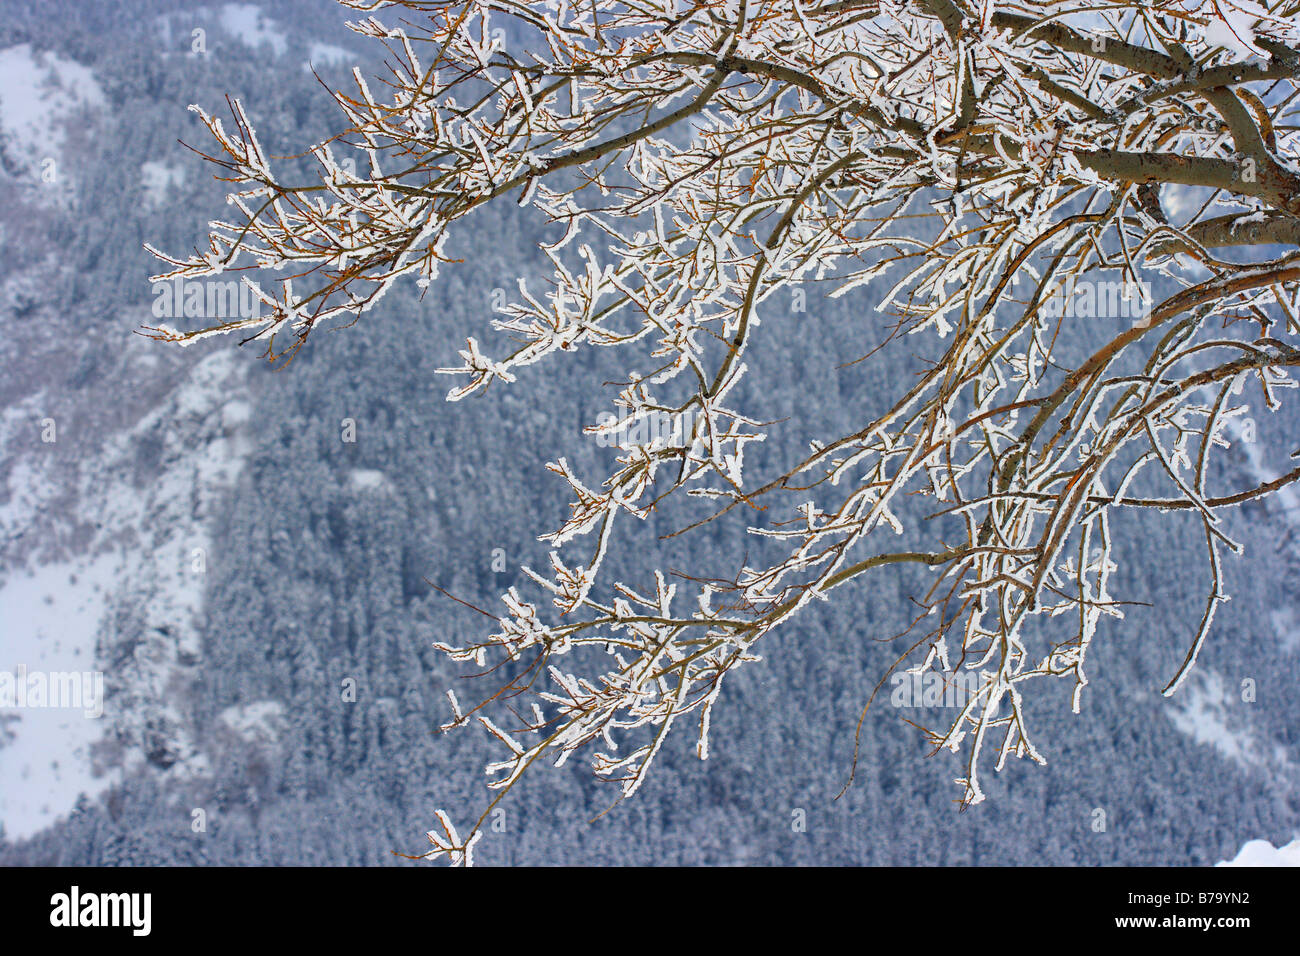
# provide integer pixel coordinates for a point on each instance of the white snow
(157, 178)
(1286, 624)
(1202, 712)
(258, 722)
(327, 54)
(1231, 25)
(28, 488)
(1263, 853)
(38, 93)
(367, 479)
(236, 413)
(247, 22)
(49, 619)
(151, 553)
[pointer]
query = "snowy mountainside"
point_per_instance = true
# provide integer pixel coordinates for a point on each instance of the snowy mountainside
(115, 454)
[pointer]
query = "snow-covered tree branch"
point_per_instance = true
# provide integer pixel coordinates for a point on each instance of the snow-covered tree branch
(987, 163)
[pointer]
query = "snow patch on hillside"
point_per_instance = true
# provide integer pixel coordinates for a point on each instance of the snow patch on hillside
(49, 620)
(39, 92)
(1286, 624)
(157, 179)
(367, 479)
(126, 600)
(1263, 853)
(327, 54)
(1204, 716)
(258, 722)
(253, 28)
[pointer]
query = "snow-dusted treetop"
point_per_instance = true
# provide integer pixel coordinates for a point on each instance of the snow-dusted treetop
(978, 159)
